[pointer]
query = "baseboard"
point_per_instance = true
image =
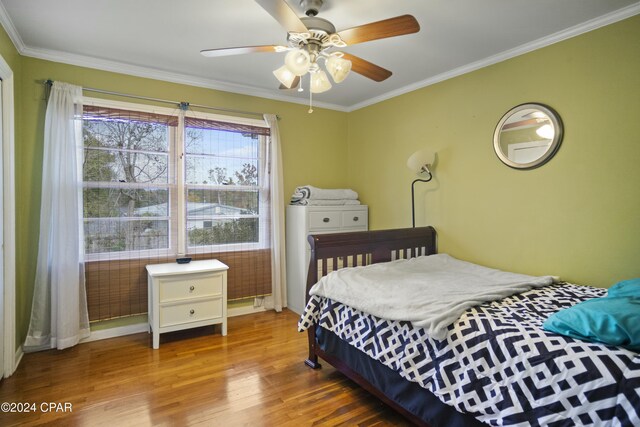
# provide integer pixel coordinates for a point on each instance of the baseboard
(137, 328)
(119, 331)
(241, 311)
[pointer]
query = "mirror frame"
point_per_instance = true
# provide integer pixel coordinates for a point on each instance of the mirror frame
(555, 142)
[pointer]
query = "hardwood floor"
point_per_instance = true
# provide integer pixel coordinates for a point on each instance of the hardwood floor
(255, 376)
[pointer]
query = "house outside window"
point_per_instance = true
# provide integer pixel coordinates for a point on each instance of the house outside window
(160, 182)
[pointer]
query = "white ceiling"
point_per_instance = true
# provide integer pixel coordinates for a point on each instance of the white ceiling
(162, 39)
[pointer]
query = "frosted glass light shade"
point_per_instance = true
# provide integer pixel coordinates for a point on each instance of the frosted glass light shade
(421, 161)
(320, 82)
(338, 68)
(285, 76)
(298, 61)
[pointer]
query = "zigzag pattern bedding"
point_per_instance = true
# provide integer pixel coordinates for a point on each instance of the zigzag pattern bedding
(497, 364)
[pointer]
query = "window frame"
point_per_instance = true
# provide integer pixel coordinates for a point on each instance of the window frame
(177, 187)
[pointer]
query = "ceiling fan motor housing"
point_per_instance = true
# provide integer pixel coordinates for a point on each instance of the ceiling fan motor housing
(311, 7)
(313, 23)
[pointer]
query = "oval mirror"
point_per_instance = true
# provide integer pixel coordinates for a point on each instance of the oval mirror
(527, 136)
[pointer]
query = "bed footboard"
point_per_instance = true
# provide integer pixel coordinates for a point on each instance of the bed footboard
(331, 252)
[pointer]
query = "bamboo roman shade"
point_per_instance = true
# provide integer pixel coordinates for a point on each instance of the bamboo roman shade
(194, 122)
(152, 194)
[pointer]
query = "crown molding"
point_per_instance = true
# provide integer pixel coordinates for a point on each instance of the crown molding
(145, 72)
(152, 73)
(593, 24)
(8, 26)
(167, 76)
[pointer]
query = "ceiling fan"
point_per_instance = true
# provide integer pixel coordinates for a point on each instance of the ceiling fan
(311, 39)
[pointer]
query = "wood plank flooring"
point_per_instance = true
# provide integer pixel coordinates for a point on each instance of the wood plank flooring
(255, 376)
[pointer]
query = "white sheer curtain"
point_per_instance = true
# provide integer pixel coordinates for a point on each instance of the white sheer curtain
(278, 259)
(59, 317)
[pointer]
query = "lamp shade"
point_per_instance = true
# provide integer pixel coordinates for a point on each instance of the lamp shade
(421, 161)
(338, 68)
(285, 76)
(320, 82)
(298, 61)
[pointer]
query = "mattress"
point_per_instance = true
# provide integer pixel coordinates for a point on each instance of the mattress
(409, 395)
(497, 364)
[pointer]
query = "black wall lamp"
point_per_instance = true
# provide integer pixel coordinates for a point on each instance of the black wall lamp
(420, 162)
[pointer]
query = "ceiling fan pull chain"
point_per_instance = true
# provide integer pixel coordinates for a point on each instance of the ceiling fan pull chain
(310, 98)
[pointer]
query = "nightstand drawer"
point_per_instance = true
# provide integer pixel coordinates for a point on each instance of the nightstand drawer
(355, 219)
(323, 220)
(190, 286)
(190, 312)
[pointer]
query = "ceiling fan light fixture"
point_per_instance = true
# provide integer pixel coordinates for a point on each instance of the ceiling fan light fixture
(311, 38)
(338, 68)
(285, 76)
(320, 82)
(298, 61)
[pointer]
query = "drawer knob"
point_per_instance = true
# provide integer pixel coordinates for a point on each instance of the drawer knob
(325, 219)
(355, 218)
(192, 312)
(192, 288)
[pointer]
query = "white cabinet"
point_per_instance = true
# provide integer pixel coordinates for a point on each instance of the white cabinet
(305, 220)
(183, 296)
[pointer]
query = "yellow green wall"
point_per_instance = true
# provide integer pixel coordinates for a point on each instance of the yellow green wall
(577, 216)
(309, 146)
(9, 53)
(11, 56)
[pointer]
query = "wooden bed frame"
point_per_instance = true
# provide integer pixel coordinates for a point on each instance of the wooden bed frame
(333, 251)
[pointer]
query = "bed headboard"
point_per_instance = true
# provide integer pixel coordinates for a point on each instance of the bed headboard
(334, 251)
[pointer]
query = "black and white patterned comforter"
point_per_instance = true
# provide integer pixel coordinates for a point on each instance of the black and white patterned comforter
(497, 363)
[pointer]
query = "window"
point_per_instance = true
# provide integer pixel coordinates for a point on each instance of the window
(126, 171)
(223, 180)
(161, 182)
(152, 190)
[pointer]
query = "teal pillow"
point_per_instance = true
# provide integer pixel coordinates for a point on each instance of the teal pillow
(611, 320)
(626, 288)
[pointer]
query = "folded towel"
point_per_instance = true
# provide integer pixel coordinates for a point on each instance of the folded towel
(309, 192)
(328, 202)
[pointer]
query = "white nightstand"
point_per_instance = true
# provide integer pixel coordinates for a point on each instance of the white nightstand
(183, 296)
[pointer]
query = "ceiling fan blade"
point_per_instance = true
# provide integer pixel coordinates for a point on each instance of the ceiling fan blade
(282, 13)
(398, 26)
(227, 51)
(294, 84)
(367, 69)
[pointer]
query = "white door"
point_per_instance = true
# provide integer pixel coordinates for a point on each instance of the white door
(1, 246)
(7, 224)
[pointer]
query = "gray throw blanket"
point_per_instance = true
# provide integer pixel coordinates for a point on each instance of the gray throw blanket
(429, 291)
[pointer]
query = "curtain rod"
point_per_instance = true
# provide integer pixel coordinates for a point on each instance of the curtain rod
(181, 104)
